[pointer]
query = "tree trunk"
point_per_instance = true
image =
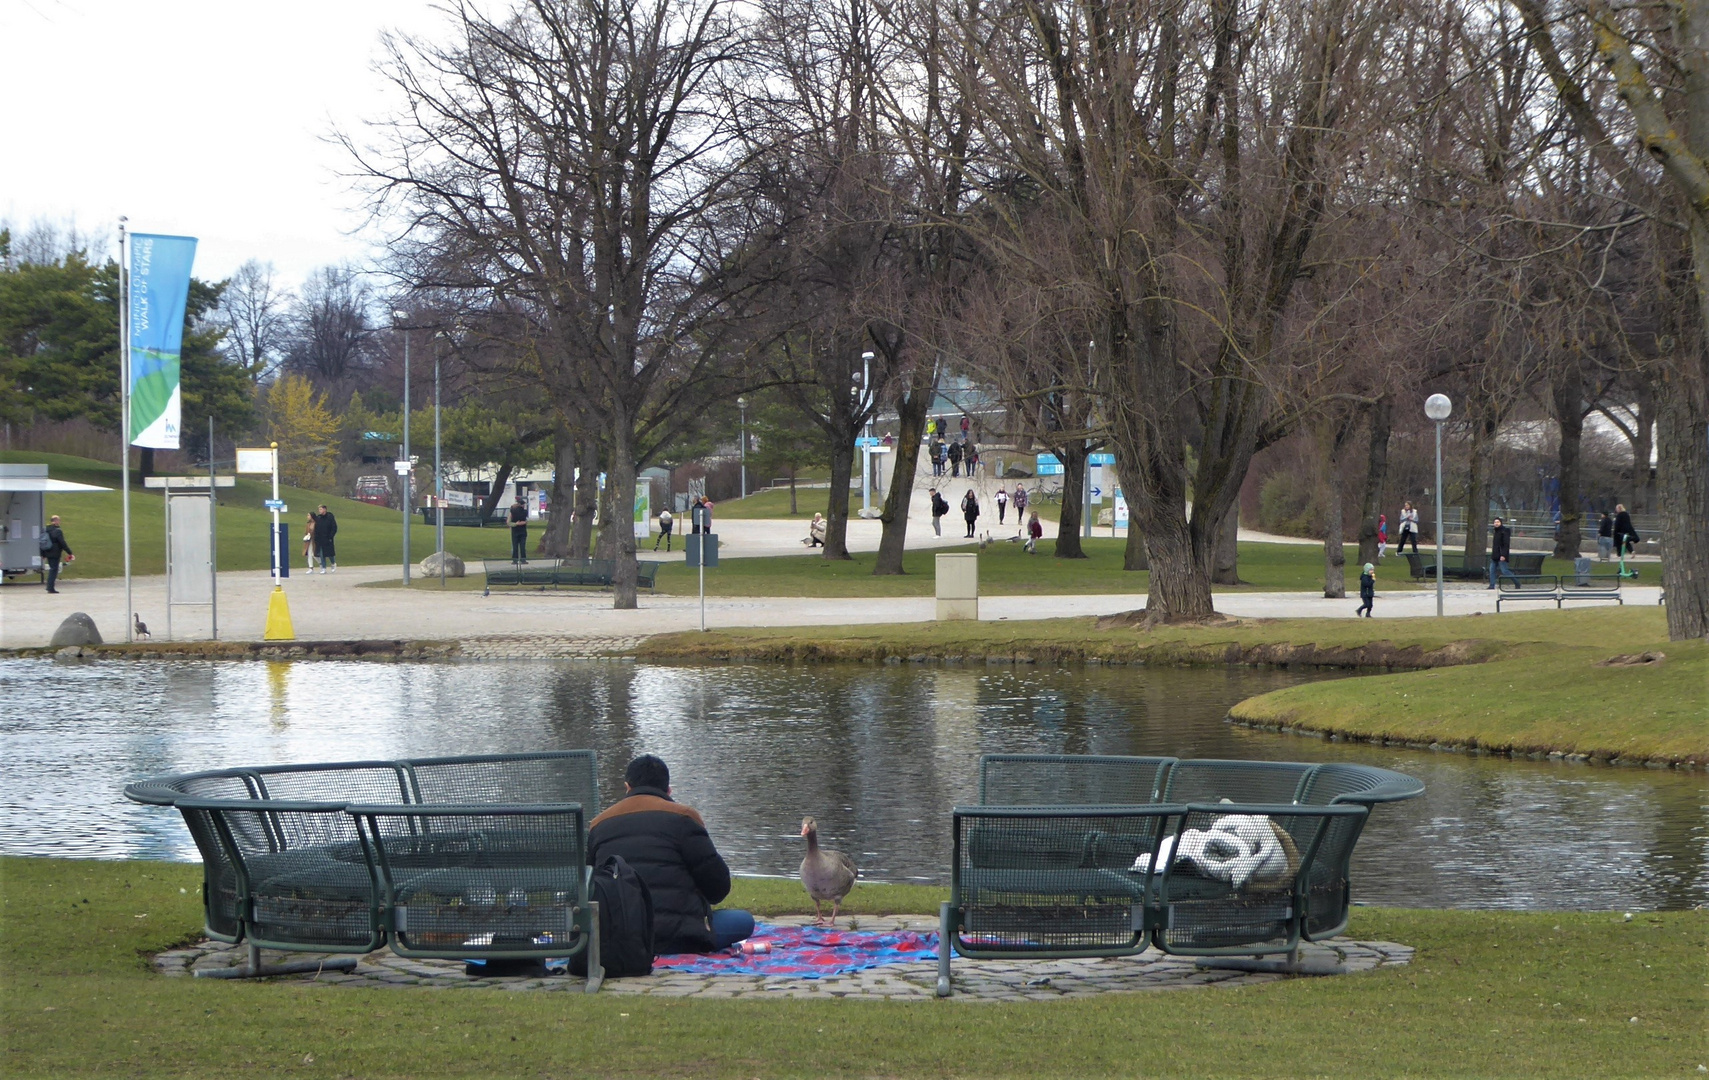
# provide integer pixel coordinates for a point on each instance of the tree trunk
(1134, 556)
(1643, 496)
(605, 540)
(1332, 440)
(1180, 582)
(620, 487)
(910, 431)
(1226, 569)
(490, 503)
(1567, 395)
(837, 518)
(1477, 491)
(586, 498)
(1068, 530)
(555, 541)
(1376, 475)
(1682, 430)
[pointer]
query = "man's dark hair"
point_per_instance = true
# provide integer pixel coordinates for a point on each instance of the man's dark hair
(649, 771)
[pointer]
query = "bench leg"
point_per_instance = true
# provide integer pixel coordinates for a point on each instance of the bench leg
(595, 969)
(946, 946)
(254, 969)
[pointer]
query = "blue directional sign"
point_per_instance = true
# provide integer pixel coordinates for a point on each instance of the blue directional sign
(867, 442)
(1097, 493)
(1100, 459)
(1049, 465)
(275, 504)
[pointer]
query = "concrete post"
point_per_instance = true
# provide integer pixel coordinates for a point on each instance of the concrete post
(958, 587)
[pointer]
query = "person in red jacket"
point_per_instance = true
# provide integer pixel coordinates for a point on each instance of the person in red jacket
(1034, 532)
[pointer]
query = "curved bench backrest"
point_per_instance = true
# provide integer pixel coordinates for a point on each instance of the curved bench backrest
(566, 776)
(353, 781)
(1070, 779)
(1211, 780)
(1340, 782)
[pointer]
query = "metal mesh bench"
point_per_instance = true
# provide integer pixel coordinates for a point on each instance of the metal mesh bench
(1065, 867)
(474, 856)
(1591, 586)
(538, 573)
(1527, 587)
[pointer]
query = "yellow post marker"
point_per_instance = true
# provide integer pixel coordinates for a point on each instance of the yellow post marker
(278, 618)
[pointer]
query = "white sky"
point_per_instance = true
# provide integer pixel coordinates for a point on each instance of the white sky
(206, 118)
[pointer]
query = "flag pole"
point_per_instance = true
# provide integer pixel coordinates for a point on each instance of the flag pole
(125, 411)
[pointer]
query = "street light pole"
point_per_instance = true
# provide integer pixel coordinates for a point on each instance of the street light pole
(1437, 407)
(742, 404)
(404, 474)
(438, 471)
(866, 450)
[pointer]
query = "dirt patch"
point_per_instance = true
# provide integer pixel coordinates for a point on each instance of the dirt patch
(1633, 659)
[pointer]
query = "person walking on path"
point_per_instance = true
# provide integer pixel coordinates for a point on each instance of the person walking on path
(1034, 532)
(518, 517)
(970, 510)
(1002, 504)
(669, 848)
(939, 509)
(1408, 528)
(970, 459)
(1605, 536)
(1625, 537)
(965, 424)
(1020, 502)
(665, 521)
(955, 459)
(1382, 534)
(309, 542)
(54, 549)
(326, 527)
(1367, 591)
(1500, 547)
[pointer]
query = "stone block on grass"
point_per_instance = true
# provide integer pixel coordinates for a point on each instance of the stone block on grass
(453, 565)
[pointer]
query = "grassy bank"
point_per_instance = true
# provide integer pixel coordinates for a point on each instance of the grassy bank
(1004, 570)
(1523, 682)
(367, 534)
(1489, 994)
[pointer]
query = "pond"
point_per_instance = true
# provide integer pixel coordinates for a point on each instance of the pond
(878, 754)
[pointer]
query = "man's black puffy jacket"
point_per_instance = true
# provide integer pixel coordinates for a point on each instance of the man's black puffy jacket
(667, 844)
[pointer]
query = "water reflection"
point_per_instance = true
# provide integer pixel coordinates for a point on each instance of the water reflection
(877, 754)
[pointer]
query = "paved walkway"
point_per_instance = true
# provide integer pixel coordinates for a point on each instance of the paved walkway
(330, 607)
(981, 980)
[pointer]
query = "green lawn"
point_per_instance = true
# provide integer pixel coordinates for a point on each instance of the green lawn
(367, 534)
(1488, 994)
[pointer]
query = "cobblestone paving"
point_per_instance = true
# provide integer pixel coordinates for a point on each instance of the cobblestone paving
(548, 647)
(975, 980)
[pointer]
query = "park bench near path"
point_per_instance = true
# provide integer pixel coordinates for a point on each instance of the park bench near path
(481, 857)
(552, 573)
(1558, 588)
(1094, 856)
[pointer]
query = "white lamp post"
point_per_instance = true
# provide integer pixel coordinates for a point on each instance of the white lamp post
(866, 450)
(742, 404)
(1437, 407)
(404, 465)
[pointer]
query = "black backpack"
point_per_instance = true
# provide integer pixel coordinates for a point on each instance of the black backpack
(625, 921)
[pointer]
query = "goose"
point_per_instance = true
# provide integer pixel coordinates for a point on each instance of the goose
(828, 874)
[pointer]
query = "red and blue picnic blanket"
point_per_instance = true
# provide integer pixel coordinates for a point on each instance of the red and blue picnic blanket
(807, 952)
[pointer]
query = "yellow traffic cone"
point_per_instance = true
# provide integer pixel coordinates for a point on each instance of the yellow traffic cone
(279, 617)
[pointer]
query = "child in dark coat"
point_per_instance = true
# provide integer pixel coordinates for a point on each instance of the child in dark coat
(1367, 590)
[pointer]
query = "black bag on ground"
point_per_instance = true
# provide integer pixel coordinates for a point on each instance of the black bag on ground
(625, 921)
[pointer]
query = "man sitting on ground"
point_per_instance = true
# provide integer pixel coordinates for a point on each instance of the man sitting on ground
(667, 844)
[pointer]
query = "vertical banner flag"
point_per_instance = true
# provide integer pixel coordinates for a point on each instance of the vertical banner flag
(159, 291)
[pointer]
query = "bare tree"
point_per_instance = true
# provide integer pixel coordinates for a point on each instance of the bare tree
(327, 328)
(254, 312)
(1191, 152)
(579, 158)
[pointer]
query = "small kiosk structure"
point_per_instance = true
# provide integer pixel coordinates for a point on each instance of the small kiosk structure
(23, 517)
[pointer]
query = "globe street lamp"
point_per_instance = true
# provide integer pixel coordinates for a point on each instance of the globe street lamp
(405, 465)
(742, 404)
(1437, 407)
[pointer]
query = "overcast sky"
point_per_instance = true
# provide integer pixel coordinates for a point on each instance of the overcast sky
(206, 118)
